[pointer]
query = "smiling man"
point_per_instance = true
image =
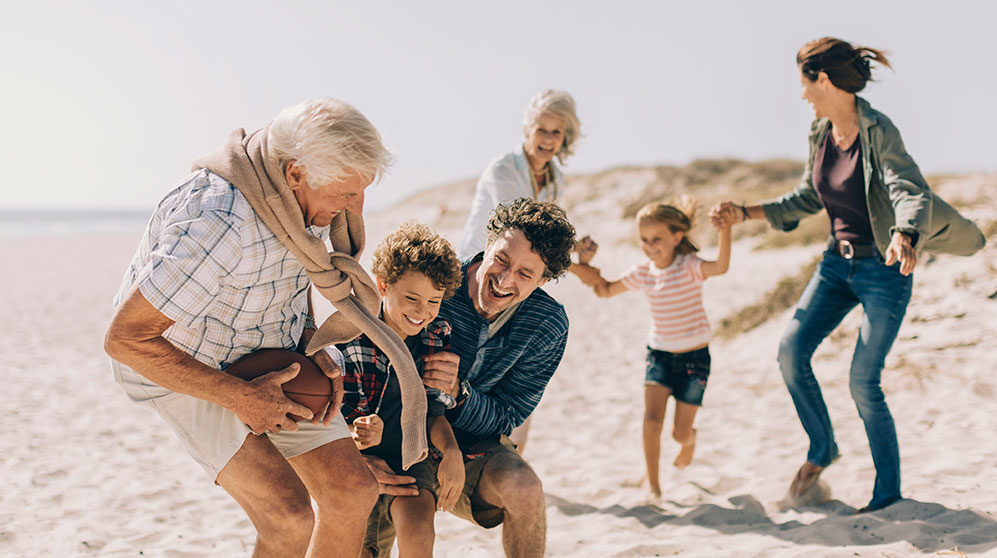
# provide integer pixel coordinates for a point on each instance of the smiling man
(509, 336)
(223, 270)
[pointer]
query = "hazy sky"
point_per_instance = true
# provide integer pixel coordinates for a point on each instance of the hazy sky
(104, 104)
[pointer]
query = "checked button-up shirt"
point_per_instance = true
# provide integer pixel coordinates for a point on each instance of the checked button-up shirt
(212, 266)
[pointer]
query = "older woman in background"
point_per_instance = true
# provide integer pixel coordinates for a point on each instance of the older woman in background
(550, 128)
(882, 215)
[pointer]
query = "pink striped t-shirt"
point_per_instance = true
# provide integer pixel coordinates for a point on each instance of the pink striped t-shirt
(675, 293)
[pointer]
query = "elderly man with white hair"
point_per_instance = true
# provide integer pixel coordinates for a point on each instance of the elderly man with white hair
(225, 269)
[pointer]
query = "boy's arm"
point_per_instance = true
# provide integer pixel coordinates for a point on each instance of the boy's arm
(451, 471)
(722, 264)
(441, 435)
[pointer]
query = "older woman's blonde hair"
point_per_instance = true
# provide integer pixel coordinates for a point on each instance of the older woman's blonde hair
(559, 104)
(330, 139)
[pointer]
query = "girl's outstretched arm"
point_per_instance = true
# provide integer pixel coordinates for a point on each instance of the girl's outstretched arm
(723, 221)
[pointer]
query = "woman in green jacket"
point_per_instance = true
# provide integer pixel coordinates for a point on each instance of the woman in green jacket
(882, 215)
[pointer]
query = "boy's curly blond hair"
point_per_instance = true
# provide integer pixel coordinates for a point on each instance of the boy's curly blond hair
(416, 247)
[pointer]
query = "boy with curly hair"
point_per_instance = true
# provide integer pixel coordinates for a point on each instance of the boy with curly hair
(415, 270)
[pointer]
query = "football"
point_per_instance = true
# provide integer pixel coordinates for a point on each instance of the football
(310, 387)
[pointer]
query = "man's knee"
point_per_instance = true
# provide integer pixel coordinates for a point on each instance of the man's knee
(514, 481)
(347, 485)
(287, 516)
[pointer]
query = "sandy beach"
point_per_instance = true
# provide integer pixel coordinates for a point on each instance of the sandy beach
(87, 473)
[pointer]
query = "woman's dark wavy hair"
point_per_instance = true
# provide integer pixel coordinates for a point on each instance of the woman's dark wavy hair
(544, 224)
(845, 65)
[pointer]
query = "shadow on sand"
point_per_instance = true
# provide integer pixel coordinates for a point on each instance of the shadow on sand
(929, 527)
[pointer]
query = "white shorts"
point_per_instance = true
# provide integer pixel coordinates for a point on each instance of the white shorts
(211, 433)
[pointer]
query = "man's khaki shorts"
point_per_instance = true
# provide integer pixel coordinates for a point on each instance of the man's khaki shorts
(212, 434)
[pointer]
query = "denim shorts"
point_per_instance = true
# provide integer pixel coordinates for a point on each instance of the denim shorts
(683, 373)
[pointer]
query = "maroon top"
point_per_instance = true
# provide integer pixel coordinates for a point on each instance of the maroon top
(840, 184)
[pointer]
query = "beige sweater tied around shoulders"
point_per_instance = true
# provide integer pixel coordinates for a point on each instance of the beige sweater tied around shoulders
(248, 163)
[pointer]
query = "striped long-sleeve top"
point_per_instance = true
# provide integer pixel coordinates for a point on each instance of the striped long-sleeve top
(507, 373)
(675, 293)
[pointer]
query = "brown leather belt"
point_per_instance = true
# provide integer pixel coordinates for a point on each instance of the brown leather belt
(848, 250)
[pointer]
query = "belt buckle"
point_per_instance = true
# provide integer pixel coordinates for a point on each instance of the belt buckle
(846, 249)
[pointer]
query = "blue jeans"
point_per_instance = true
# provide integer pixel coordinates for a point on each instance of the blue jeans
(836, 287)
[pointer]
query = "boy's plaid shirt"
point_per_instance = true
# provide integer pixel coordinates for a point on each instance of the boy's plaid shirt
(367, 371)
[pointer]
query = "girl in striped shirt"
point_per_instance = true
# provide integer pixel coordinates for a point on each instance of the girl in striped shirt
(678, 356)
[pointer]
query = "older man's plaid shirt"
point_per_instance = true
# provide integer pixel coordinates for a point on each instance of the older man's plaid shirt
(211, 265)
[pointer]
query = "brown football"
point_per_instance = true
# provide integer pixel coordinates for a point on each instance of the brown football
(310, 387)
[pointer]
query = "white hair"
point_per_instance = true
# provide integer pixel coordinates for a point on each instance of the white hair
(559, 104)
(330, 139)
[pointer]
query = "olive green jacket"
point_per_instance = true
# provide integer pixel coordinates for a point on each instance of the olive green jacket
(897, 196)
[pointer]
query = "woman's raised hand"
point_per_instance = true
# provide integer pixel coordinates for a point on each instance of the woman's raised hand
(726, 211)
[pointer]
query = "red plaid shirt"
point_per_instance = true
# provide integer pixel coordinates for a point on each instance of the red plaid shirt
(368, 369)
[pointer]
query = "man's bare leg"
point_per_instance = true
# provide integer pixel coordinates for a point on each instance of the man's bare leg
(344, 490)
(509, 483)
(684, 433)
(270, 492)
(655, 404)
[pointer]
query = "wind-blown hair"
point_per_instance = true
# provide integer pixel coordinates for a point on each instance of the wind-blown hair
(330, 139)
(559, 104)
(416, 247)
(544, 224)
(845, 65)
(677, 217)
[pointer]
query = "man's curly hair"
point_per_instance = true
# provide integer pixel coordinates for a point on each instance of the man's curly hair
(416, 247)
(544, 224)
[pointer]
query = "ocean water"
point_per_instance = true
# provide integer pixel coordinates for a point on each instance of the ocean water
(36, 222)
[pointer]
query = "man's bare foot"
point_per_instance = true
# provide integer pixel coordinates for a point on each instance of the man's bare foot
(805, 478)
(685, 454)
(655, 491)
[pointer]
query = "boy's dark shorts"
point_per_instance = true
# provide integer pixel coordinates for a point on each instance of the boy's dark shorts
(380, 531)
(683, 373)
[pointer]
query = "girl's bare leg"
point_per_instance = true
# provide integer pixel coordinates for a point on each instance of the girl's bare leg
(655, 403)
(684, 433)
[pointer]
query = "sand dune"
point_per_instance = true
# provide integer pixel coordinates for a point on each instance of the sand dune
(86, 473)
